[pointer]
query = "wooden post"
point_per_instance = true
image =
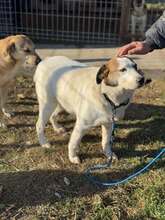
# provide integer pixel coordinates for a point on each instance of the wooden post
(124, 21)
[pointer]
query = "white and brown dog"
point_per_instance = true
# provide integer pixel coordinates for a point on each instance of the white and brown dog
(87, 92)
(138, 19)
(17, 56)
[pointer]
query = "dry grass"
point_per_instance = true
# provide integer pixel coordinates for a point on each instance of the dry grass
(32, 182)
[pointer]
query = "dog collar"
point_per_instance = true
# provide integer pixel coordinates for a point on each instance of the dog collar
(113, 104)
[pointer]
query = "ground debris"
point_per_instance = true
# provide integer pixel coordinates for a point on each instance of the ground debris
(58, 195)
(66, 181)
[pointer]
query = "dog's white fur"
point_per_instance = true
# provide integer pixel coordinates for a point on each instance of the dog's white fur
(62, 83)
(138, 18)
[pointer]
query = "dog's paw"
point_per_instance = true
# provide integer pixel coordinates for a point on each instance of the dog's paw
(61, 131)
(75, 160)
(111, 156)
(2, 125)
(47, 145)
(8, 114)
(114, 157)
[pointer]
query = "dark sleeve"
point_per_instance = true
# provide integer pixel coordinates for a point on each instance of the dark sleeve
(155, 36)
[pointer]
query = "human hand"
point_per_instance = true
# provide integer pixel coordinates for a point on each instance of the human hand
(135, 47)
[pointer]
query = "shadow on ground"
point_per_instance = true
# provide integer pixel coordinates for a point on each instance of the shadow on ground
(37, 187)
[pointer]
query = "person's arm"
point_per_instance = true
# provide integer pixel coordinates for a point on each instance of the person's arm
(155, 39)
(155, 36)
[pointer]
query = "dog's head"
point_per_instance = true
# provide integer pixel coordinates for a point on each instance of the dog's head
(28, 68)
(20, 48)
(138, 3)
(121, 72)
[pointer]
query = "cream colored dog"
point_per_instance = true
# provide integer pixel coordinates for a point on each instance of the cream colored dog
(17, 55)
(138, 17)
(86, 92)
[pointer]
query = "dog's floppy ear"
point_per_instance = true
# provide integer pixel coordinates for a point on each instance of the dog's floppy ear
(10, 49)
(105, 74)
(101, 74)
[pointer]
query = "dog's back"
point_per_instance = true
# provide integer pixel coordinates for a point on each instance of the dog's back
(54, 75)
(51, 64)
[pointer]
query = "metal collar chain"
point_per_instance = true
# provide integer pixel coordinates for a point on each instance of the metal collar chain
(114, 106)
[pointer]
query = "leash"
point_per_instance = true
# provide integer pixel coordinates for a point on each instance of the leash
(89, 170)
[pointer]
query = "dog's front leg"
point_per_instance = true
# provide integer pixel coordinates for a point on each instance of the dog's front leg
(3, 98)
(75, 139)
(143, 26)
(2, 109)
(106, 145)
(133, 26)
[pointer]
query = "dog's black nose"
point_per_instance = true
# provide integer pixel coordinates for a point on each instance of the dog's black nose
(141, 81)
(38, 60)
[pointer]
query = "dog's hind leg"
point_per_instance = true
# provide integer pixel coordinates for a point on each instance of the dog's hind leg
(57, 128)
(45, 111)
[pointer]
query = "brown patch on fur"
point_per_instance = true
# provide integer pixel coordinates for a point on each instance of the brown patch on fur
(102, 73)
(112, 67)
(108, 72)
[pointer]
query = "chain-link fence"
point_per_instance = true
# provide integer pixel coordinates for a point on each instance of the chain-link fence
(72, 21)
(86, 21)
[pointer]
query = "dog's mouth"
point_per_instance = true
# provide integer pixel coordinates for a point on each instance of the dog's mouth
(143, 81)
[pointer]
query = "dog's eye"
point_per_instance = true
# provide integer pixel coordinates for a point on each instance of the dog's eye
(123, 70)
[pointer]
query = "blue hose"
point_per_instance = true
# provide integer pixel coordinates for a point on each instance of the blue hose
(124, 180)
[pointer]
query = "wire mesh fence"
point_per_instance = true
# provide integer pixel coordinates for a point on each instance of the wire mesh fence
(6, 20)
(71, 21)
(89, 21)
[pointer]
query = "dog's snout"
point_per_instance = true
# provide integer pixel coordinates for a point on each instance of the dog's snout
(38, 60)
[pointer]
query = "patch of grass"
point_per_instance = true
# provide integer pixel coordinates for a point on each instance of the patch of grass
(151, 200)
(101, 212)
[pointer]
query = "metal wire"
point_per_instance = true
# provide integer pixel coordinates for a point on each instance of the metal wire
(75, 21)
(79, 21)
